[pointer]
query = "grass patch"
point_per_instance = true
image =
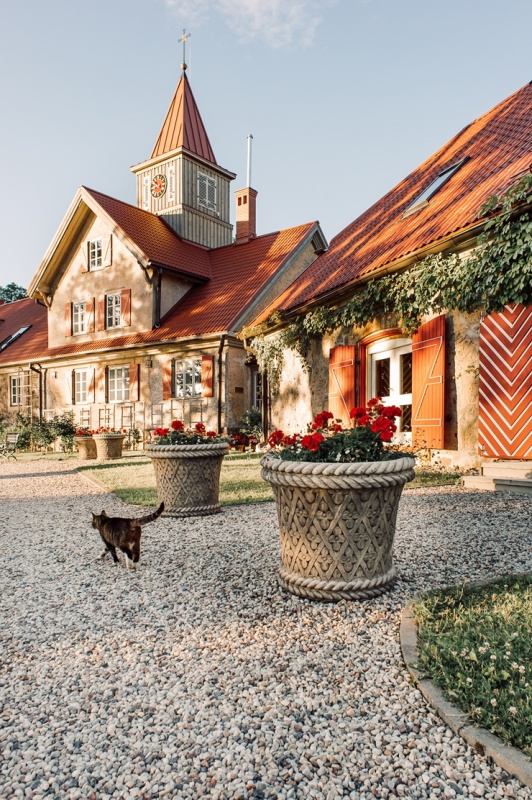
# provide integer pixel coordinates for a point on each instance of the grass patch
(133, 481)
(426, 477)
(476, 643)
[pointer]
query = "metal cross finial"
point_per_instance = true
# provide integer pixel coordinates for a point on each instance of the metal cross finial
(184, 40)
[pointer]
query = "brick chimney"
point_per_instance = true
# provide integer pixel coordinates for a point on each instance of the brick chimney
(246, 214)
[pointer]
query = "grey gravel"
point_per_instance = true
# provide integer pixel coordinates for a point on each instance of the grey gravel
(195, 676)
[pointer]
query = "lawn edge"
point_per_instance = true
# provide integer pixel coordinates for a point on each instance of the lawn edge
(510, 758)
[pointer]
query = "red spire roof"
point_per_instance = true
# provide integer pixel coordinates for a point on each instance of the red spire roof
(183, 126)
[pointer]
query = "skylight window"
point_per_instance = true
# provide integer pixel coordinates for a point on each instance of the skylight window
(423, 199)
(13, 336)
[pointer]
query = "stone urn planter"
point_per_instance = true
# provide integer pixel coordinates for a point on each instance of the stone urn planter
(86, 447)
(188, 477)
(337, 525)
(109, 445)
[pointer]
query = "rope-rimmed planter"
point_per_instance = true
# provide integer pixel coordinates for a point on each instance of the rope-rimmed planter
(109, 445)
(188, 477)
(86, 447)
(337, 525)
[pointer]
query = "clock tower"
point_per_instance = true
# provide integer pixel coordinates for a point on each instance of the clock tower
(181, 181)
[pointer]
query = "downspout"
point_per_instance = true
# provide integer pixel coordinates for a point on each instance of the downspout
(220, 380)
(158, 298)
(38, 369)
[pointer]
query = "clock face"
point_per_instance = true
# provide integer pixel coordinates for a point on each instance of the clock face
(158, 185)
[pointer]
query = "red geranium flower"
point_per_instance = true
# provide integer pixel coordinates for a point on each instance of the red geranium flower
(177, 425)
(357, 412)
(275, 437)
(200, 427)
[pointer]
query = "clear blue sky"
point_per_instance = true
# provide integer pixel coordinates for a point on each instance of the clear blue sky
(343, 97)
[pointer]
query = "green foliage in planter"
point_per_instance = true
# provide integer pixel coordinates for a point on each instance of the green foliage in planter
(497, 272)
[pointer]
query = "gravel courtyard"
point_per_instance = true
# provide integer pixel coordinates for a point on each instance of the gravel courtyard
(194, 676)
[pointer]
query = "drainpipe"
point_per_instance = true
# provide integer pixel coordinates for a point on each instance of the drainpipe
(220, 381)
(39, 370)
(158, 298)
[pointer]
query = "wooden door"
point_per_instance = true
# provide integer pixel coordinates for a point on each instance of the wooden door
(505, 384)
(428, 385)
(342, 360)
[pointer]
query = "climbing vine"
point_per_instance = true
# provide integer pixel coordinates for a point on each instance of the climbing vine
(497, 272)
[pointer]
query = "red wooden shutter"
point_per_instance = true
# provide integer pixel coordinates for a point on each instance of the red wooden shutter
(342, 361)
(100, 385)
(428, 384)
(68, 319)
(85, 257)
(207, 375)
(91, 386)
(125, 307)
(168, 379)
(101, 313)
(134, 383)
(505, 384)
(89, 311)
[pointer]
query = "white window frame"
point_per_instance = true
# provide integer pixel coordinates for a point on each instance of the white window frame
(118, 384)
(81, 386)
(187, 377)
(95, 254)
(15, 390)
(79, 317)
(207, 191)
(257, 388)
(113, 310)
(392, 349)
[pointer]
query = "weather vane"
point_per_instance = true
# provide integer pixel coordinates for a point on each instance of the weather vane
(184, 40)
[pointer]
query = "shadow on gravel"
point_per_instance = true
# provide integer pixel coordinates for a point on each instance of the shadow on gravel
(19, 476)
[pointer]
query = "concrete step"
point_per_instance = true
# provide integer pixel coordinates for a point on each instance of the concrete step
(519, 470)
(478, 482)
(489, 484)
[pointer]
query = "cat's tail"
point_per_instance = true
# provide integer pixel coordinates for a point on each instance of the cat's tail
(150, 517)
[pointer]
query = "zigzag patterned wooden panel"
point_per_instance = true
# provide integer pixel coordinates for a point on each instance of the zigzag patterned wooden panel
(505, 384)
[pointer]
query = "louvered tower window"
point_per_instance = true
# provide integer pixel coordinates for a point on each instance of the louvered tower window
(206, 191)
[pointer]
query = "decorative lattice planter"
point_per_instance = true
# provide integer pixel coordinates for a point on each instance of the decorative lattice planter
(109, 445)
(188, 477)
(337, 525)
(86, 447)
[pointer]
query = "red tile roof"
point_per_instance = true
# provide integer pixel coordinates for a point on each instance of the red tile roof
(240, 273)
(154, 238)
(499, 147)
(183, 126)
(33, 343)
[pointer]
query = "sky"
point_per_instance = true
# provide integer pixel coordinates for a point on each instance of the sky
(344, 98)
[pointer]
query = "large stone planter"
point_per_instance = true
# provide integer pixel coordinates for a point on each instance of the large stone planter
(86, 447)
(109, 445)
(337, 525)
(188, 477)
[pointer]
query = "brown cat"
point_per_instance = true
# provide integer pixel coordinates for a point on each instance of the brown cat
(123, 533)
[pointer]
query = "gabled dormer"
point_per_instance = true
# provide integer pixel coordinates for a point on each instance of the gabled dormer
(181, 181)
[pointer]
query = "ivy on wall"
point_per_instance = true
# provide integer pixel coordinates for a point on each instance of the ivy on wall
(497, 272)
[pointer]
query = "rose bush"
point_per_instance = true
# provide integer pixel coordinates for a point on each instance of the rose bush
(373, 427)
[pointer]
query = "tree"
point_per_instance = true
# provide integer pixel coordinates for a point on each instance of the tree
(12, 292)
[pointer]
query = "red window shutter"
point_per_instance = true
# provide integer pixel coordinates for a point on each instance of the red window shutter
(68, 319)
(134, 383)
(168, 379)
(207, 376)
(125, 307)
(100, 385)
(89, 311)
(91, 387)
(342, 360)
(428, 383)
(101, 314)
